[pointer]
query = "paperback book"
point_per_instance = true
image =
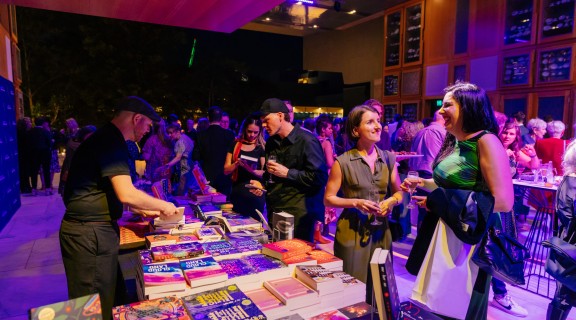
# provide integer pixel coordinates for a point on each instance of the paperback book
(163, 277)
(205, 300)
(327, 260)
(83, 308)
(246, 246)
(221, 250)
(385, 291)
(286, 248)
(203, 271)
(301, 259)
(359, 311)
(163, 308)
(267, 302)
(319, 278)
(177, 251)
(160, 240)
(244, 309)
(293, 293)
(240, 223)
(262, 263)
(209, 234)
(236, 268)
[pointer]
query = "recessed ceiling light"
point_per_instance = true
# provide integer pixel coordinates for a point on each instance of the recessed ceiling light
(315, 26)
(267, 19)
(352, 12)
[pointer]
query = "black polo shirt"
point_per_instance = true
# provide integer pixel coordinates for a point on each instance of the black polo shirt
(302, 192)
(88, 194)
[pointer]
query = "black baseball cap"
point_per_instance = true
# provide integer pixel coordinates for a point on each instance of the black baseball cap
(272, 105)
(138, 105)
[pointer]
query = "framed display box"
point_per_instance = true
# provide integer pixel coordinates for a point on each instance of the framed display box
(515, 69)
(518, 28)
(555, 64)
(410, 111)
(390, 109)
(413, 35)
(512, 103)
(554, 104)
(391, 84)
(411, 82)
(557, 20)
(392, 47)
(459, 73)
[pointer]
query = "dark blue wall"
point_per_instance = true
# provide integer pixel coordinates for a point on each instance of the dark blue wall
(9, 180)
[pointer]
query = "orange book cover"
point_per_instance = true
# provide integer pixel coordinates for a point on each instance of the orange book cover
(286, 248)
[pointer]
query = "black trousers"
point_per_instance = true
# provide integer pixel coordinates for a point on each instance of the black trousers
(90, 256)
(41, 158)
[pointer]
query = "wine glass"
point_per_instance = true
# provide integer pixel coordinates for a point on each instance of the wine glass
(520, 167)
(412, 177)
(374, 196)
(271, 158)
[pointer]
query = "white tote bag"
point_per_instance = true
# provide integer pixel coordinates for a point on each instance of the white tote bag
(447, 276)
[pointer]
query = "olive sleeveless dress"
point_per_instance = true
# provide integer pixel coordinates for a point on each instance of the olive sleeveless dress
(449, 283)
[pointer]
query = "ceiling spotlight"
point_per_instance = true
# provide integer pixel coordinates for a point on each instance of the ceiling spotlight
(352, 12)
(315, 26)
(267, 19)
(337, 5)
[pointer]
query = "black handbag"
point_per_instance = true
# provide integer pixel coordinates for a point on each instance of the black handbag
(501, 256)
(561, 262)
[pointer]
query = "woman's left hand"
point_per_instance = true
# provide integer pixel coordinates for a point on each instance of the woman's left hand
(420, 201)
(386, 206)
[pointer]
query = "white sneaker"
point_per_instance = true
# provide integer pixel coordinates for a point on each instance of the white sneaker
(506, 304)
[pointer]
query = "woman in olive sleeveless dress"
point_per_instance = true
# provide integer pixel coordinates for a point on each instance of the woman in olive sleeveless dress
(471, 158)
(356, 172)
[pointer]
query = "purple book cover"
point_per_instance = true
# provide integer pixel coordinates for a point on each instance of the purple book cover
(246, 245)
(179, 251)
(162, 274)
(260, 262)
(162, 308)
(236, 267)
(198, 302)
(145, 257)
(219, 248)
(196, 269)
(242, 309)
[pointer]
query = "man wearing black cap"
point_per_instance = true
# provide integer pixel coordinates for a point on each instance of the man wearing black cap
(299, 173)
(98, 185)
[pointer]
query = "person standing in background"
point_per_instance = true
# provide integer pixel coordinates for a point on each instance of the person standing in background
(225, 121)
(384, 143)
(40, 140)
(157, 151)
(552, 149)
(183, 147)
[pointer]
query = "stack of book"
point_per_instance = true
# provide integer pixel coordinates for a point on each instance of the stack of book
(385, 290)
(285, 249)
(170, 307)
(212, 233)
(267, 303)
(327, 260)
(320, 279)
(203, 211)
(177, 251)
(222, 249)
(156, 240)
(246, 246)
(293, 293)
(203, 271)
(227, 302)
(237, 223)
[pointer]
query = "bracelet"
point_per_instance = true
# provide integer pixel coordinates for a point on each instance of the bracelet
(532, 157)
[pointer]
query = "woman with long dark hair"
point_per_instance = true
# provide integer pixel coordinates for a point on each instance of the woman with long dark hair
(244, 161)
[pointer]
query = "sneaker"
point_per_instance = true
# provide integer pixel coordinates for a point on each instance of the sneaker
(506, 304)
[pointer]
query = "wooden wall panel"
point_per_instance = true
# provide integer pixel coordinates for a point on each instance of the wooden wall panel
(486, 26)
(438, 37)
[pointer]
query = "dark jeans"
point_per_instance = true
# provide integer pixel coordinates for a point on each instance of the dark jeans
(41, 158)
(498, 287)
(90, 256)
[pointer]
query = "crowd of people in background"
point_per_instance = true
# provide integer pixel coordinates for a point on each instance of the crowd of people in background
(309, 167)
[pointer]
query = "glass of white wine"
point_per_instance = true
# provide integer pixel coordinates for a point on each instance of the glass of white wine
(412, 177)
(271, 158)
(374, 196)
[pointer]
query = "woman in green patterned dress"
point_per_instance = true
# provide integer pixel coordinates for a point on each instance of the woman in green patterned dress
(471, 158)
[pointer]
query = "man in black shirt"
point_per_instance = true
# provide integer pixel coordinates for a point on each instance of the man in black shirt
(98, 185)
(299, 174)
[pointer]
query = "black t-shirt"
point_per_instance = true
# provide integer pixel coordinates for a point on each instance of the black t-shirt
(88, 194)
(243, 175)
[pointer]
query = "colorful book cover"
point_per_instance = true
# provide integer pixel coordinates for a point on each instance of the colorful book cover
(412, 311)
(145, 257)
(203, 271)
(186, 238)
(163, 308)
(236, 268)
(286, 248)
(83, 308)
(301, 259)
(163, 274)
(207, 233)
(237, 224)
(385, 290)
(243, 309)
(261, 263)
(220, 248)
(178, 251)
(347, 279)
(330, 315)
(160, 240)
(266, 301)
(360, 310)
(292, 292)
(205, 300)
(246, 245)
(326, 259)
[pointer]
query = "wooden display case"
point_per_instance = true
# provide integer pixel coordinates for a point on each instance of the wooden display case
(390, 109)
(410, 110)
(511, 103)
(556, 20)
(516, 69)
(460, 72)
(393, 23)
(555, 104)
(414, 20)
(392, 84)
(519, 25)
(411, 82)
(555, 64)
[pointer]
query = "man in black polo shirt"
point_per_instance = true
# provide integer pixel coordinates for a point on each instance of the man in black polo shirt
(299, 174)
(98, 185)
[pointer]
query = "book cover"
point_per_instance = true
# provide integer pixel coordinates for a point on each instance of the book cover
(238, 224)
(177, 251)
(266, 302)
(163, 308)
(205, 300)
(160, 240)
(208, 234)
(202, 271)
(293, 293)
(221, 249)
(360, 310)
(186, 238)
(282, 226)
(246, 245)
(163, 277)
(319, 279)
(261, 263)
(301, 259)
(236, 268)
(411, 311)
(330, 315)
(243, 309)
(327, 260)
(201, 180)
(218, 197)
(385, 290)
(83, 308)
(286, 248)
